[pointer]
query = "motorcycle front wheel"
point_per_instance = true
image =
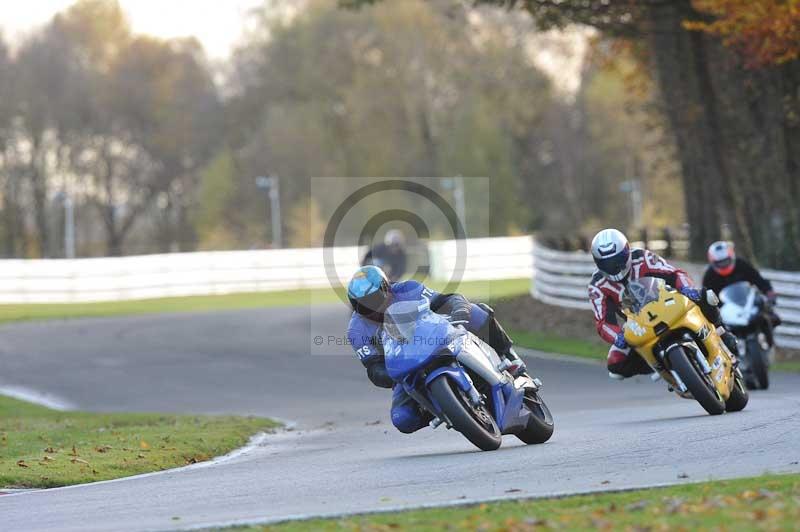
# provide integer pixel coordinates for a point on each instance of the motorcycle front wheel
(540, 425)
(700, 386)
(475, 423)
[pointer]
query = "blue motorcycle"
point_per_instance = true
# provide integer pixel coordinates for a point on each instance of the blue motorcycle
(460, 380)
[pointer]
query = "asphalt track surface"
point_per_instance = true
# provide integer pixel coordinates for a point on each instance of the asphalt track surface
(343, 454)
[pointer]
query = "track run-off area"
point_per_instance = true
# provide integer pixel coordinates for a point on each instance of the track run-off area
(341, 454)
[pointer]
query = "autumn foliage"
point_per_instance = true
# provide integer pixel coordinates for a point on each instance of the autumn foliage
(767, 32)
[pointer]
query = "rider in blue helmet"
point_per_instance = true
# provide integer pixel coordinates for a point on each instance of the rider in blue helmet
(370, 294)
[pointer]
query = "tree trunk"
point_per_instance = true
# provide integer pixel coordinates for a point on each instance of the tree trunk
(39, 188)
(738, 138)
(12, 222)
(676, 70)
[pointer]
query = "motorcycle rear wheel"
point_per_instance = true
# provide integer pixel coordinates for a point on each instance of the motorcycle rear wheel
(540, 424)
(475, 423)
(758, 365)
(700, 387)
(739, 396)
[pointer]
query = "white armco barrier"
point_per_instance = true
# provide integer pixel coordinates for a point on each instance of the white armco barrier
(169, 275)
(225, 272)
(561, 278)
(481, 258)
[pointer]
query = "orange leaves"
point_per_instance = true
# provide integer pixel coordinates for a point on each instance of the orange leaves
(767, 32)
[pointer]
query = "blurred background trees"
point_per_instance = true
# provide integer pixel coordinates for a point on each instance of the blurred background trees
(695, 103)
(727, 77)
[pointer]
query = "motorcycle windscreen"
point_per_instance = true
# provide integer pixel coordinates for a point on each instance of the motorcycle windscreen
(412, 335)
(738, 304)
(640, 292)
(737, 293)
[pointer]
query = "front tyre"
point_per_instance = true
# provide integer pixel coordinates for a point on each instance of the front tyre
(701, 387)
(540, 424)
(475, 423)
(739, 396)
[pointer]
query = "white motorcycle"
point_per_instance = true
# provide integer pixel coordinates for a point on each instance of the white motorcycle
(744, 311)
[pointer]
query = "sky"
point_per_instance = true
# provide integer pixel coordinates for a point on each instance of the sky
(218, 24)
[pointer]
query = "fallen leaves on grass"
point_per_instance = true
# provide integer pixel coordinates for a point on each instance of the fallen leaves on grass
(535, 521)
(21, 463)
(79, 461)
(674, 505)
(637, 506)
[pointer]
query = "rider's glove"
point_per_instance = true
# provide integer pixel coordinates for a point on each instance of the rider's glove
(772, 297)
(619, 341)
(691, 293)
(460, 316)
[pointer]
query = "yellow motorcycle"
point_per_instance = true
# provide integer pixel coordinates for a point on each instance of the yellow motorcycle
(671, 333)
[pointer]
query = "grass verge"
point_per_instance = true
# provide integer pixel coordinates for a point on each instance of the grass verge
(762, 503)
(586, 349)
(478, 290)
(43, 448)
(787, 365)
(551, 343)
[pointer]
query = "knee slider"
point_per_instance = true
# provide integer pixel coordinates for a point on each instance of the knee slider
(406, 419)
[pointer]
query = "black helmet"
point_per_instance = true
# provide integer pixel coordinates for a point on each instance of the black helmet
(368, 292)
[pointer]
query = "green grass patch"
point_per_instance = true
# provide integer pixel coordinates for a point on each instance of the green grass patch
(42, 448)
(583, 348)
(762, 503)
(556, 344)
(787, 365)
(28, 312)
(478, 290)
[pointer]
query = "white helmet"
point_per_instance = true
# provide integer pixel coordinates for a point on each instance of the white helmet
(722, 257)
(612, 254)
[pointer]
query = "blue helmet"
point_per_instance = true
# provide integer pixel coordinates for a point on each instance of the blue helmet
(369, 292)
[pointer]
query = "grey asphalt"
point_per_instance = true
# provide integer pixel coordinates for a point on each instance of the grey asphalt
(344, 456)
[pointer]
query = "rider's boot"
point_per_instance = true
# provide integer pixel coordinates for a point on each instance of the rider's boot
(493, 334)
(513, 363)
(730, 341)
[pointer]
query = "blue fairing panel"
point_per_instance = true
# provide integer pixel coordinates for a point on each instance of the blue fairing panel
(432, 335)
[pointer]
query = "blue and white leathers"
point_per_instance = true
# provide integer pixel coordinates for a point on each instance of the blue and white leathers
(421, 346)
(362, 333)
(364, 337)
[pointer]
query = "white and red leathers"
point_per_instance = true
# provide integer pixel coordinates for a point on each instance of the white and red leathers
(606, 299)
(606, 296)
